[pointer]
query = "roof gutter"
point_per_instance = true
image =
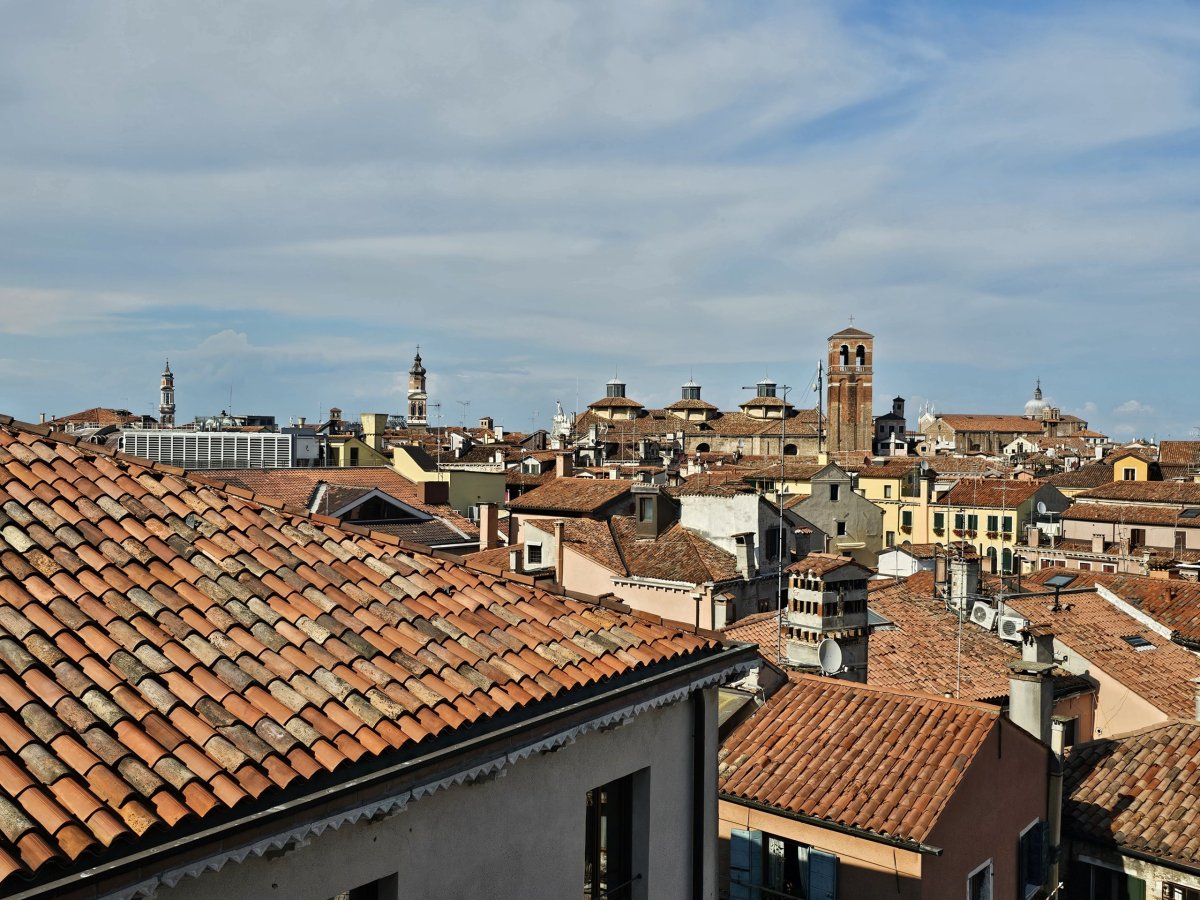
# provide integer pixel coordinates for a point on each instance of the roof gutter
(902, 843)
(492, 750)
(1144, 857)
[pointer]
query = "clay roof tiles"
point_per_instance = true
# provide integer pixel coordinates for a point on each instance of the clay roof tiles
(983, 422)
(577, 495)
(872, 759)
(1138, 792)
(1093, 628)
(1182, 493)
(1179, 453)
(183, 650)
(991, 493)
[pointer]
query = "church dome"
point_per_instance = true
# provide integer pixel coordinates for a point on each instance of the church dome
(1035, 407)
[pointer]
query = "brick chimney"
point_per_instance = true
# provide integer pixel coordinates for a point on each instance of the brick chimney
(489, 526)
(564, 465)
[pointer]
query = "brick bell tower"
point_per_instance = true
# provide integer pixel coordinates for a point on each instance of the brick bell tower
(851, 420)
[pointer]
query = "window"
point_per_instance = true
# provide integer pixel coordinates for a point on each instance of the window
(906, 519)
(1085, 567)
(841, 529)
(891, 539)
(1129, 474)
(1110, 568)
(1172, 891)
(1137, 538)
(993, 523)
(1070, 731)
(1006, 561)
(354, 456)
(1008, 525)
(645, 509)
(972, 522)
(608, 863)
(960, 521)
(887, 492)
(533, 554)
(939, 521)
(979, 883)
(764, 867)
(1088, 882)
(771, 543)
(1031, 860)
(835, 491)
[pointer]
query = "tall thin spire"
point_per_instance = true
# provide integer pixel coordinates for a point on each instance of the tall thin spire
(166, 398)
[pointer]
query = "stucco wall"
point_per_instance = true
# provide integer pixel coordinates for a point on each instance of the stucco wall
(520, 835)
(1002, 792)
(865, 868)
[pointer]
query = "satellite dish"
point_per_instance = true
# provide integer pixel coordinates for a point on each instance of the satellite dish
(1041, 507)
(829, 654)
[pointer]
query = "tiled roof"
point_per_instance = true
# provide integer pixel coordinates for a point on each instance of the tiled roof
(1090, 476)
(496, 558)
(1133, 513)
(1138, 792)
(298, 486)
(100, 416)
(172, 653)
(1179, 453)
(760, 628)
(793, 469)
(892, 468)
(1183, 493)
(1174, 603)
(851, 332)
(615, 403)
(923, 652)
(675, 555)
(692, 404)
(931, 551)
(876, 760)
(719, 481)
(818, 565)
(1093, 628)
(992, 493)
(1002, 424)
(951, 466)
(577, 495)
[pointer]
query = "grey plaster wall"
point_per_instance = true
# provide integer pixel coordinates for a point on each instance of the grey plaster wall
(520, 835)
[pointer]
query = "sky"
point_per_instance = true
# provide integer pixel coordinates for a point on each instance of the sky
(285, 198)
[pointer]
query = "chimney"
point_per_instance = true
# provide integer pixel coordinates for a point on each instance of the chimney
(433, 492)
(939, 569)
(1031, 697)
(1097, 543)
(489, 526)
(1196, 696)
(373, 425)
(964, 582)
(559, 539)
(515, 560)
(564, 465)
(300, 421)
(42, 419)
(745, 554)
(1033, 536)
(1038, 647)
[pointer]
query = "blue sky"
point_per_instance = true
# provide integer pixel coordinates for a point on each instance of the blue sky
(286, 197)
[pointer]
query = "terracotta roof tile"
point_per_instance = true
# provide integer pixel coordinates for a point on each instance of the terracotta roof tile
(573, 495)
(153, 672)
(1093, 628)
(1179, 493)
(1138, 792)
(868, 758)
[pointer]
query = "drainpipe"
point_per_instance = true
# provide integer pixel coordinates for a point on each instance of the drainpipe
(559, 528)
(1054, 813)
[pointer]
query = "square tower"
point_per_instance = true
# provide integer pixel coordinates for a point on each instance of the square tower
(851, 421)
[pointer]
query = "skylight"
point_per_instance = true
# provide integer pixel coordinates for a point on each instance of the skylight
(1137, 642)
(1059, 581)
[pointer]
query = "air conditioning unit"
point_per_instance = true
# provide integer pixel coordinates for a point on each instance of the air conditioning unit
(983, 616)
(1010, 628)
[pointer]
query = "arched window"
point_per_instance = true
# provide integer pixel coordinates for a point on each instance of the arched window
(789, 450)
(844, 354)
(860, 355)
(702, 448)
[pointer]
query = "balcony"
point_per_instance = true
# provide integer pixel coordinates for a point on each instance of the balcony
(849, 370)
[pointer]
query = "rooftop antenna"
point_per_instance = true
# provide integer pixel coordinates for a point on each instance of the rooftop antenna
(465, 404)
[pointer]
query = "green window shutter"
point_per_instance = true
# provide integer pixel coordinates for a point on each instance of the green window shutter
(939, 520)
(745, 864)
(822, 875)
(1136, 888)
